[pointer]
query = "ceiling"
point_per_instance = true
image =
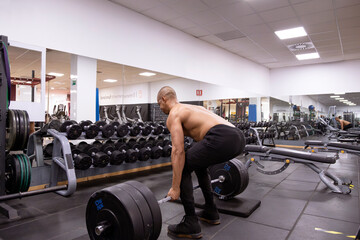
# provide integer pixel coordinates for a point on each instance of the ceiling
(328, 101)
(246, 27)
(23, 62)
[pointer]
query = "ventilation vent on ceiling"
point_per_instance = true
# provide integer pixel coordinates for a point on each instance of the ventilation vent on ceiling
(301, 46)
(226, 36)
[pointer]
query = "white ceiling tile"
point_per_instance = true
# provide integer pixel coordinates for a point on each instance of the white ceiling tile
(233, 11)
(350, 56)
(324, 36)
(349, 47)
(348, 12)
(219, 27)
(185, 6)
(216, 3)
(278, 14)
(249, 20)
(211, 39)
(350, 32)
(138, 5)
(349, 22)
(321, 47)
(267, 60)
(345, 3)
(180, 23)
(264, 5)
(330, 51)
(260, 29)
(285, 24)
(321, 17)
(313, 7)
(326, 42)
(161, 13)
(321, 27)
(352, 51)
(197, 31)
(298, 1)
(204, 17)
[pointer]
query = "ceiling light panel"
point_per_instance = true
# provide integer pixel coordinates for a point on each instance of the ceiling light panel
(56, 74)
(110, 80)
(291, 33)
(147, 74)
(307, 56)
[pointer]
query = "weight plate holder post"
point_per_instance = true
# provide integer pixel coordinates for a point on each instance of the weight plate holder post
(130, 210)
(62, 160)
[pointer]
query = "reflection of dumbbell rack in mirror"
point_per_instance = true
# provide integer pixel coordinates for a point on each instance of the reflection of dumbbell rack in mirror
(262, 132)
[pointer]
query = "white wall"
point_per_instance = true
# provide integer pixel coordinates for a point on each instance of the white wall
(316, 79)
(103, 30)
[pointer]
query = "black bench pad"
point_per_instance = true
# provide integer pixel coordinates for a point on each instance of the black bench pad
(303, 155)
(314, 142)
(256, 148)
(344, 146)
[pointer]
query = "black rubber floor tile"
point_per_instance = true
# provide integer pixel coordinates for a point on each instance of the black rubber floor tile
(244, 230)
(319, 228)
(170, 210)
(294, 190)
(74, 234)
(305, 175)
(25, 213)
(333, 205)
(47, 227)
(257, 190)
(278, 211)
(207, 230)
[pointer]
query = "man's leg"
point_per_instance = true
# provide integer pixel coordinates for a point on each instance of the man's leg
(186, 192)
(205, 185)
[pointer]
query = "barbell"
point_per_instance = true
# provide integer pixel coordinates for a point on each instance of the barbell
(130, 210)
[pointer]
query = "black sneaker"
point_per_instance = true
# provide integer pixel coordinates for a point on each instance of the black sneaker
(189, 227)
(209, 215)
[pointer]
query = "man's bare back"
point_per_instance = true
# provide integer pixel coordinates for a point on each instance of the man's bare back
(195, 120)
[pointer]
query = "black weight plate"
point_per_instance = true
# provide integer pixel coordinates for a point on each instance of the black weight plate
(120, 205)
(244, 175)
(27, 129)
(18, 131)
(145, 154)
(101, 160)
(28, 164)
(232, 184)
(92, 131)
(117, 157)
(13, 174)
(64, 126)
(143, 207)
(107, 131)
(148, 145)
(156, 152)
(123, 130)
(131, 142)
(166, 143)
(25, 173)
(136, 146)
(140, 124)
(10, 130)
(82, 146)
(146, 130)
(48, 150)
(134, 131)
(141, 141)
(121, 146)
(55, 124)
(131, 156)
(74, 131)
(158, 129)
(106, 148)
(75, 152)
(167, 151)
(97, 144)
(82, 161)
(84, 123)
(153, 206)
(100, 124)
(115, 124)
(22, 172)
(90, 150)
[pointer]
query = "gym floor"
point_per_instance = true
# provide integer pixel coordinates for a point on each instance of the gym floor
(295, 204)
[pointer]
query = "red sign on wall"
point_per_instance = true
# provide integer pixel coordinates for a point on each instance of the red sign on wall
(198, 92)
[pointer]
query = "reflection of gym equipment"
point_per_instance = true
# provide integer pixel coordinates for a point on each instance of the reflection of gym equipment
(287, 156)
(59, 112)
(130, 211)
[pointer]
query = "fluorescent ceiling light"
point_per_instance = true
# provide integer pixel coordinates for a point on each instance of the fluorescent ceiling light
(291, 33)
(307, 56)
(52, 88)
(147, 74)
(339, 98)
(335, 96)
(56, 74)
(110, 80)
(28, 82)
(353, 104)
(73, 77)
(341, 93)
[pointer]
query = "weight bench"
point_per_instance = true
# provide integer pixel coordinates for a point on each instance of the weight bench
(287, 156)
(316, 145)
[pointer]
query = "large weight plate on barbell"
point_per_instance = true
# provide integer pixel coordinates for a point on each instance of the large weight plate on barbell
(18, 131)
(236, 179)
(115, 202)
(10, 129)
(153, 206)
(26, 130)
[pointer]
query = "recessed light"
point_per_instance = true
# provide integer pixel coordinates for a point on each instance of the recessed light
(339, 98)
(291, 33)
(307, 56)
(341, 93)
(52, 88)
(73, 77)
(147, 74)
(335, 96)
(28, 82)
(110, 80)
(56, 74)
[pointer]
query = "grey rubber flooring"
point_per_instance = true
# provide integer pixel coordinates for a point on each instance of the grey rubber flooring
(295, 204)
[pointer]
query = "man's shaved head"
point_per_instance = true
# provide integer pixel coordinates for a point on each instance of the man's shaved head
(167, 92)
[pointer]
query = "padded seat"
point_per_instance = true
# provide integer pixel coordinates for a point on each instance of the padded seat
(314, 142)
(303, 155)
(344, 146)
(348, 140)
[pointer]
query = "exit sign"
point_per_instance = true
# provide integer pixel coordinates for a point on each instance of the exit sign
(198, 92)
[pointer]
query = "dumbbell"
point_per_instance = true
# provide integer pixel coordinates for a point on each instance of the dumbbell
(136, 151)
(72, 129)
(107, 130)
(82, 161)
(165, 146)
(130, 210)
(157, 128)
(116, 156)
(97, 144)
(90, 129)
(100, 159)
(156, 151)
(48, 150)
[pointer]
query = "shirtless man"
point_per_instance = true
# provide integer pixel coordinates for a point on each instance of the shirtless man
(343, 123)
(217, 141)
